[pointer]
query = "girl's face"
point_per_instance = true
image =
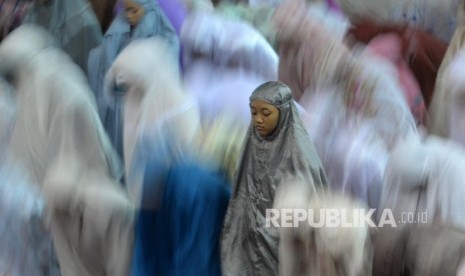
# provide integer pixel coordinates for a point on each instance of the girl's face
(265, 117)
(134, 12)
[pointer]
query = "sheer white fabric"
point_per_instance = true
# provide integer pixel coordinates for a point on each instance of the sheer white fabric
(158, 115)
(321, 251)
(426, 178)
(456, 82)
(59, 141)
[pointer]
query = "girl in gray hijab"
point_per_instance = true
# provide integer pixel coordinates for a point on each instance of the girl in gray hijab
(140, 19)
(276, 148)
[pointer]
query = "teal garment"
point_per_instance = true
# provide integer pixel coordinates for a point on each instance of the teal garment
(179, 233)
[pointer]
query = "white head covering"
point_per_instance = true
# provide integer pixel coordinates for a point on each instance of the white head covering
(14, 55)
(47, 83)
(59, 141)
(456, 81)
(405, 178)
(322, 251)
(228, 43)
(426, 178)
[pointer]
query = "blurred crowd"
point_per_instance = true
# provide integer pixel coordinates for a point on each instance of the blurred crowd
(151, 137)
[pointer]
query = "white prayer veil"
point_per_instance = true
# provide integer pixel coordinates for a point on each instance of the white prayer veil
(14, 55)
(294, 254)
(340, 250)
(59, 141)
(158, 116)
(321, 250)
(228, 43)
(406, 178)
(46, 83)
(445, 198)
(455, 78)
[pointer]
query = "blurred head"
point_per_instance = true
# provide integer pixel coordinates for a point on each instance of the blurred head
(137, 67)
(268, 105)
(134, 11)
(21, 45)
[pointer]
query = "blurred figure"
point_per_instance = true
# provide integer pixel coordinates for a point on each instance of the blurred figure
(140, 19)
(388, 47)
(277, 147)
(436, 18)
(312, 60)
(228, 43)
(416, 250)
(179, 224)
(26, 247)
(322, 251)
(259, 16)
(439, 121)
(12, 14)
(72, 23)
(426, 178)
(175, 11)
(157, 115)
(221, 144)
(354, 161)
(198, 5)
(456, 85)
(354, 157)
(59, 142)
(421, 51)
(224, 59)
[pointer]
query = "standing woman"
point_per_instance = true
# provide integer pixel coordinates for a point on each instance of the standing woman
(276, 148)
(59, 143)
(140, 19)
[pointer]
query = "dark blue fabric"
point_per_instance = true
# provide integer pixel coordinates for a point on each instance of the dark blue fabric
(181, 236)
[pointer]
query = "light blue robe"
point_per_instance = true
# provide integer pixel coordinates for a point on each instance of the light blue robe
(119, 35)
